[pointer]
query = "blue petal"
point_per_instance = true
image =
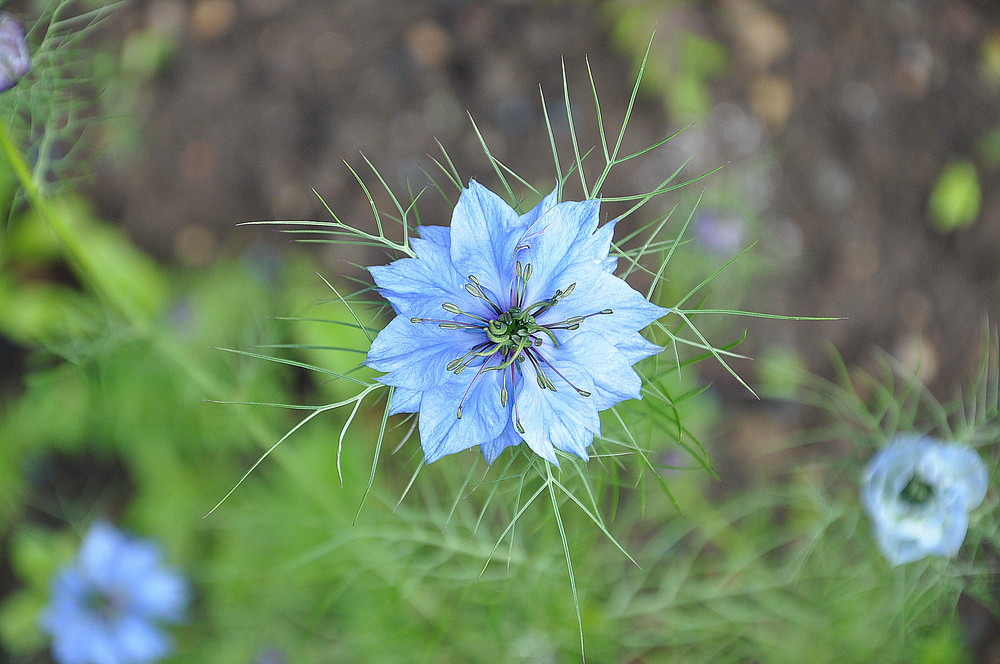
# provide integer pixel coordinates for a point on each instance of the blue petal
(405, 401)
(440, 235)
(563, 419)
(417, 287)
(612, 375)
(636, 348)
(14, 57)
(137, 640)
(962, 470)
(416, 355)
(631, 311)
(160, 594)
(100, 553)
(529, 218)
(483, 418)
(563, 249)
(484, 232)
(509, 437)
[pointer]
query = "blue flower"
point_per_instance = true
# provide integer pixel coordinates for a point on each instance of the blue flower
(918, 493)
(14, 58)
(511, 328)
(105, 608)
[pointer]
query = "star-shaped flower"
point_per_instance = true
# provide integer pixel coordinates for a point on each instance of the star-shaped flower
(511, 327)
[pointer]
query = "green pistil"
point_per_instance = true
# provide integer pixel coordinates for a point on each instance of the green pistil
(512, 335)
(916, 491)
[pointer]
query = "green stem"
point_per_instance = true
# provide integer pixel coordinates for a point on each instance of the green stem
(83, 265)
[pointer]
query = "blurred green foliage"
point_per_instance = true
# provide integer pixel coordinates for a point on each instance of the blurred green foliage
(681, 67)
(955, 199)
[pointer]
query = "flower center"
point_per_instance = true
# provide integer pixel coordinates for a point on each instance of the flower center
(103, 604)
(511, 336)
(916, 491)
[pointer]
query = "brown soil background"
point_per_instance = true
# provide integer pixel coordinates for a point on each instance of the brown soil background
(860, 104)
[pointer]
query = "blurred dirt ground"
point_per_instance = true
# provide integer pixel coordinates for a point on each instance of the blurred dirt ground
(834, 120)
(854, 108)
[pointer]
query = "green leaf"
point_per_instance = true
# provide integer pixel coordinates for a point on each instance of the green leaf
(36, 555)
(19, 629)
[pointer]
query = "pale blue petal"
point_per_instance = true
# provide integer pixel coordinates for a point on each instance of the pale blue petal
(636, 348)
(160, 594)
(563, 249)
(405, 401)
(415, 355)
(418, 287)
(962, 470)
(483, 419)
(508, 438)
(14, 57)
(133, 561)
(440, 235)
(532, 215)
(611, 373)
(99, 553)
(563, 419)
(136, 640)
(631, 311)
(484, 233)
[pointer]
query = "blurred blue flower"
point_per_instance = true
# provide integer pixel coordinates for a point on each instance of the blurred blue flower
(14, 58)
(511, 328)
(104, 608)
(918, 493)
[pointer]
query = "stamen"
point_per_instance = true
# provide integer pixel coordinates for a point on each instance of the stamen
(455, 309)
(472, 382)
(582, 393)
(517, 417)
(448, 324)
(573, 322)
(540, 377)
(476, 290)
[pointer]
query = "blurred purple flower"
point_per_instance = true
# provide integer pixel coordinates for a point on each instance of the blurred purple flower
(720, 233)
(918, 493)
(14, 58)
(105, 607)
